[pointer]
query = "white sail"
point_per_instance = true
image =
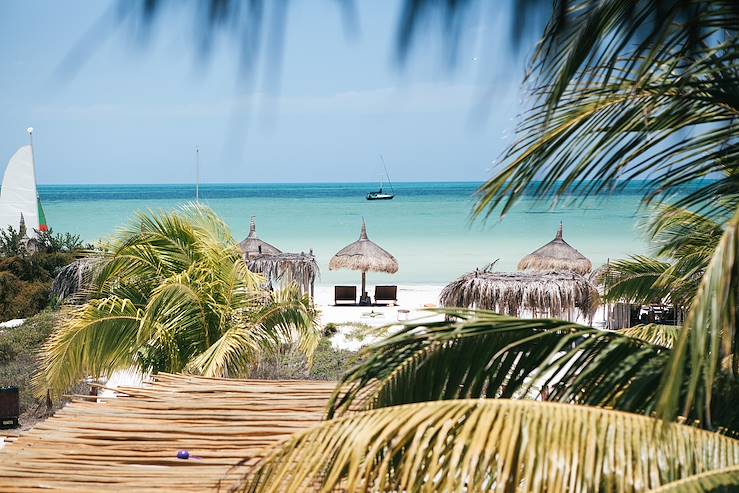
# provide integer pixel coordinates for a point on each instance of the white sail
(18, 193)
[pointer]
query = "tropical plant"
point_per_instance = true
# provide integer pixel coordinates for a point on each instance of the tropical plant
(494, 445)
(51, 242)
(11, 243)
(684, 242)
(174, 294)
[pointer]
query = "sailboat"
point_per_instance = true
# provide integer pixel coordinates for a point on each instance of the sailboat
(18, 195)
(380, 195)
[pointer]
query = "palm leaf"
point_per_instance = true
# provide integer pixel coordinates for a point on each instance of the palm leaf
(174, 293)
(660, 335)
(709, 339)
(723, 480)
(491, 445)
(94, 340)
(482, 354)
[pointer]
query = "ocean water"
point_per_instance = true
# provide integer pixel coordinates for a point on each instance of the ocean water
(428, 226)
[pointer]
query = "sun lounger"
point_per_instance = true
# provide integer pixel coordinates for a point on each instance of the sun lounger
(384, 295)
(344, 294)
(9, 407)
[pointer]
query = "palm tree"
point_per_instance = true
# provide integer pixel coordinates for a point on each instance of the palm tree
(174, 294)
(684, 242)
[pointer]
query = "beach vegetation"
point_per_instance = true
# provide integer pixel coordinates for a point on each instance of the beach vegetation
(19, 348)
(683, 243)
(174, 294)
(290, 363)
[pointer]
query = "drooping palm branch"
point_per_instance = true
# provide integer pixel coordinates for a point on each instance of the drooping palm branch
(722, 480)
(660, 335)
(491, 445)
(670, 126)
(683, 242)
(173, 293)
(482, 354)
(708, 343)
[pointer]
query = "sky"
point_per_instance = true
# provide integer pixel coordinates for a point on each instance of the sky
(132, 108)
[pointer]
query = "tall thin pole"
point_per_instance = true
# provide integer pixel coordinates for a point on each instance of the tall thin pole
(33, 170)
(197, 175)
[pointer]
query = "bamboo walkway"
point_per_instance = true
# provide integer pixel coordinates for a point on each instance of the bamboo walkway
(130, 443)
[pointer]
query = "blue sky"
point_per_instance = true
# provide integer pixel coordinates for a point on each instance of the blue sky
(134, 110)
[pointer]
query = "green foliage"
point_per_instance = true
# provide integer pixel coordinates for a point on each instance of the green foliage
(174, 294)
(25, 283)
(482, 354)
(289, 363)
(50, 242)
(330, 329)
(684, 242)
(11, 243)
(330, 363)
(19, 356)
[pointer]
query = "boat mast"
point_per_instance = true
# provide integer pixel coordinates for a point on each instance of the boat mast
(33, 158)
(197, 175)
(387, 174)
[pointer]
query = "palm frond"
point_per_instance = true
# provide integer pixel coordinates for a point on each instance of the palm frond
(635, 280)
(723, 480)
(660, 335)
(94, 340)
(180, 297)
(482, 354)
(709, 338)
(491, 445)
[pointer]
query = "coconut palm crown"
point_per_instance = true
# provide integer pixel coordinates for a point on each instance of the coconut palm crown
(174, 294)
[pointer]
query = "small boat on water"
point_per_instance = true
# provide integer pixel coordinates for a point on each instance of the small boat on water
(380, 195)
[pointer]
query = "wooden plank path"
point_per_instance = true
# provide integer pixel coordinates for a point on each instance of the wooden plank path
(130, 443)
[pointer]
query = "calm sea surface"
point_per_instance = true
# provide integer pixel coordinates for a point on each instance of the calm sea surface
(427, 226)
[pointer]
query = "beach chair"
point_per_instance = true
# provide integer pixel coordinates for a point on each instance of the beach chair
(384, 295)
(9, 407)
(344, 294)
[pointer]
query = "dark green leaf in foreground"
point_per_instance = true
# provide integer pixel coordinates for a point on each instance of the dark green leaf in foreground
(481, 354)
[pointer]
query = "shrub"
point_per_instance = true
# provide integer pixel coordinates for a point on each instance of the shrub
(18, 361)
(330, 329)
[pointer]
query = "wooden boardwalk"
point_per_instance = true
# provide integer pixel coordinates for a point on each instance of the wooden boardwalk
(130, 443)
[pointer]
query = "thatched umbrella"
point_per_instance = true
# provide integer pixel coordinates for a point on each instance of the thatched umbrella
(252, 245)
(556, 256)
(365, 256)
(547, 294)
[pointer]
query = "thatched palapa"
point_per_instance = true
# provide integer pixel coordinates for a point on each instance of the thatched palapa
(556, 256)
(299, 268)
(277, 266)
(252, 245)
(537, 294)
(365, 256)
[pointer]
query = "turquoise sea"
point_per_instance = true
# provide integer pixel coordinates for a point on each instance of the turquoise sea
(427, 226)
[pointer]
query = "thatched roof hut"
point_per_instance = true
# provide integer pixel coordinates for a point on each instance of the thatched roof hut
(278, 266)
(538, 294)
(556, 256)
(252, 245)
(364, 255)
(299, 268)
